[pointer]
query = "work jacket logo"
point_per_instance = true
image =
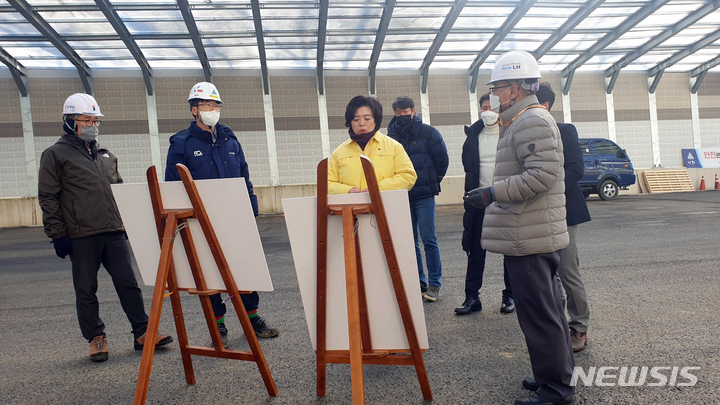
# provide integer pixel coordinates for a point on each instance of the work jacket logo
(197, 153)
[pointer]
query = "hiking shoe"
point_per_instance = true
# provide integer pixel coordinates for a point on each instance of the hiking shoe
(578, 340)
(432, 293)
(99, 348)
(162, 340)
(262, 330)
(223, 334)
(508, 305)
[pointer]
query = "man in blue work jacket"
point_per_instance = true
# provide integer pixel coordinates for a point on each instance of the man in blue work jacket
(212, 151)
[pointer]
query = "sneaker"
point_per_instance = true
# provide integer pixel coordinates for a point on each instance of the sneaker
(162, 340)
(423, 288)
(99, 348)
(223, 334)
(262, 330)
(578, 340)
(508, 305)
(432, 293)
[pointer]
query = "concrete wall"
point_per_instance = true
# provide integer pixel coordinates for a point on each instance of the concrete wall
(297, 119)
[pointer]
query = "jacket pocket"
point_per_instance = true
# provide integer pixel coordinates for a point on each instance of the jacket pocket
(69, 213)
(515, 208)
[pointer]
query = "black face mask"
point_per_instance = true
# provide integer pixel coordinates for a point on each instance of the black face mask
(404, 120)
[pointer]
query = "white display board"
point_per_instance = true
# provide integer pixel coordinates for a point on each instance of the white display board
(228, 207)
(386, 325)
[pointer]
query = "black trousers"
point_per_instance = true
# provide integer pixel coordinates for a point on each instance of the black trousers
(476, 263)
(543, 322)
(251, 302)
(113, 252)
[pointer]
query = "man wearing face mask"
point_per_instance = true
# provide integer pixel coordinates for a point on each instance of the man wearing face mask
(429, 156)
(83, 221)
(212, 151)
(525, 221)
(478, 158)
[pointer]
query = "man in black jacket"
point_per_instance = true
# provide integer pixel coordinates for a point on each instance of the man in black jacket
(478, 159)
(82, 219)
(429, 156)
(577, 213)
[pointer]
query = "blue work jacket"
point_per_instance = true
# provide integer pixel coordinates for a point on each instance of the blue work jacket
(223, 159)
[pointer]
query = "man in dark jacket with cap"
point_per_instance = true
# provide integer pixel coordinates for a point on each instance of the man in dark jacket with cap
(577, 213)
(429, 156)
(83, 221)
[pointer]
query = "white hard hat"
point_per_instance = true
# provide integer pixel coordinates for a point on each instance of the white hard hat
(515, 65)
(82, 104)
(204, 91)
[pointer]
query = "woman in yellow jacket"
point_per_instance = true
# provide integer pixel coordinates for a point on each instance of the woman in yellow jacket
(393, 167)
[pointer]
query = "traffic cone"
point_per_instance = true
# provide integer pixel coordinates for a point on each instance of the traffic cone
(717, 183)
(702, 184)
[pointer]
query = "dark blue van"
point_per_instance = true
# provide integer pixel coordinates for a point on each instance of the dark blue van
(607, 168)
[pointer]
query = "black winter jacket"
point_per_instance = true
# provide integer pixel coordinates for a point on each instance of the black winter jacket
(74, 189)
(428, 153)
(577, 210)
(471, 165)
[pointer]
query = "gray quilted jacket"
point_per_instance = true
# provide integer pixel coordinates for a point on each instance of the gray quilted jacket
(528, 216)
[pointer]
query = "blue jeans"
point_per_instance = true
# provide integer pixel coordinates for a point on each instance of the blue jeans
(422, 212)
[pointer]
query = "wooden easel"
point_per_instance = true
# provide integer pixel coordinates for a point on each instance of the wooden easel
(169, 222)
(361, 351)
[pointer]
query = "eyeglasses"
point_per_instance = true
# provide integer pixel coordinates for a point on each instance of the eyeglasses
(90, 123)
(211, 106)
(494, 89)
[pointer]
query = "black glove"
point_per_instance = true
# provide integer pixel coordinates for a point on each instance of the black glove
(63, 246)
(480, 197)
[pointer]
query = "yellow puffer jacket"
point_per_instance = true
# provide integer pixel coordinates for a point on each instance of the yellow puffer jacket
(393, 167)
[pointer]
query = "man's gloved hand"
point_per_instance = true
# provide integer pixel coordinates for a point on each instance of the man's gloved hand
(480, 197)
(63, 246)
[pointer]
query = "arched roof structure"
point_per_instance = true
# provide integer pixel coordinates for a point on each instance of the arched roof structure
(652, 36)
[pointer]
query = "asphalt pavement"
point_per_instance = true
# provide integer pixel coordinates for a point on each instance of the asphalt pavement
(650, 263)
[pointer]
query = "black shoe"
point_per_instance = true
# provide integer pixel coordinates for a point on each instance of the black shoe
(423, 288)
(223, 334)
(262, 330)
(508, 305)
(530, 384)
(470, 305)
(536, 399)
(160, 341)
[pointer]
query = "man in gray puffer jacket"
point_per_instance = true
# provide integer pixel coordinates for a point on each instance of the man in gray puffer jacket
(525, 221)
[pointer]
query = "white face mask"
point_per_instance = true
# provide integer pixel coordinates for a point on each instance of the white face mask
(490, 118)
(210, 118)
(495, 101)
